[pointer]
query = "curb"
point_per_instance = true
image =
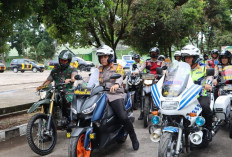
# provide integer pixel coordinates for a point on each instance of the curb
(13, 132)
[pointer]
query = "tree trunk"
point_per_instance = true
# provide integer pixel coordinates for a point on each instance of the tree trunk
(3, 58)
(170, 52)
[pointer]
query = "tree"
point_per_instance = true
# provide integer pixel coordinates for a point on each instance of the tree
(30, 34)
(87, 22)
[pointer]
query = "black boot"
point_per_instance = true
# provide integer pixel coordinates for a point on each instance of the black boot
(141, 116)
(134, 140)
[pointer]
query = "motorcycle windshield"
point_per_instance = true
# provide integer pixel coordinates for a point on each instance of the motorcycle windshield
(226, 74)
(94, 78)
(176, 79)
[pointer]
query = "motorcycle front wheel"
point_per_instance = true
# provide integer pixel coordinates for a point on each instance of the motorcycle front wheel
(40, 140)
(167, 145)
(76, 147)
(146, 111)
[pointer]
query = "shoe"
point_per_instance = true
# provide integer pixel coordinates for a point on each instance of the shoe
(140, 116)
(135, 142)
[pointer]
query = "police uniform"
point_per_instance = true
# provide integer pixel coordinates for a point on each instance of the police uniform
(116, 100)
(151, 65)
(198, 75)
(104, 80)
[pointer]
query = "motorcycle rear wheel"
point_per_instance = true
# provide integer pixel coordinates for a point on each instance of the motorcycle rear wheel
(76, 147)
(39, 141)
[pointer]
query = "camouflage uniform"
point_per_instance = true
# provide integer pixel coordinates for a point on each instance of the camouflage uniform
(59, 76)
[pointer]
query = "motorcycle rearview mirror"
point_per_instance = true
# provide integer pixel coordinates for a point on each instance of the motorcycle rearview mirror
(159, 71)
(210, 72)
(78, 77)
(115, 76)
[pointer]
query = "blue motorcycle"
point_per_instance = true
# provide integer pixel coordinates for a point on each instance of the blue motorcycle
(97, 125)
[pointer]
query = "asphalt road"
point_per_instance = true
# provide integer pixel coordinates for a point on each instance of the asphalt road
(219, 147)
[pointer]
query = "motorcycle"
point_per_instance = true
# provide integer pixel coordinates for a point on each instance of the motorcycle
(178, 125)
(133, 86)
(97, 125)
(147, 104)
(222, 106)
(42, 127)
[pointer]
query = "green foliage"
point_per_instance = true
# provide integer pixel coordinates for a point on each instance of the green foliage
(31, 39)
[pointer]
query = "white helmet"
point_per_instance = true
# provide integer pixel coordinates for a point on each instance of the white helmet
(105, 50)
(177, 53)
(190, 50)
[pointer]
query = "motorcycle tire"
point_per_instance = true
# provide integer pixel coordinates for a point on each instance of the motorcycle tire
(230, 126)
(167, 145)
(146, 111)
(76, 147)
(135, 102)
(39, 123)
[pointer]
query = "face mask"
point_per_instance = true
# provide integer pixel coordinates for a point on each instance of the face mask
(154, 56)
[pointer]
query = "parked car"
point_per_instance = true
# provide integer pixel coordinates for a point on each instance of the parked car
(76, 62)
(26, 65)
(2, 67)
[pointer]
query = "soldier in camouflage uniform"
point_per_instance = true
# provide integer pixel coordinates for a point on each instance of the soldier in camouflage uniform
(63, 73)
(116, 94)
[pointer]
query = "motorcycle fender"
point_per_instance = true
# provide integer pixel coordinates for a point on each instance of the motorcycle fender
(222, 107)
(37, 104)
(78, 131)
(171, 129)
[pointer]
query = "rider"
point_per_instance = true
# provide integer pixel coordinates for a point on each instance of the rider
(214, 61)
(151, 64)
(206, 57)
(138, 61)
(116, 94)
(224, 60)
(177, 56)
(63, 73)
(191, 55)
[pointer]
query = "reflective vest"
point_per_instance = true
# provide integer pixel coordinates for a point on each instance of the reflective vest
(114, 68)
(198, 77)
(153, 65)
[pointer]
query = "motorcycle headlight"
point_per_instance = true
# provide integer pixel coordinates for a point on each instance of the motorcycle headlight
(148, 82)
(200, 121)
(90, 109)
(169, 105)
(42, 94)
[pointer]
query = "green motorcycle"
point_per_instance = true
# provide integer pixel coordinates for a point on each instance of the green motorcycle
(42, 127)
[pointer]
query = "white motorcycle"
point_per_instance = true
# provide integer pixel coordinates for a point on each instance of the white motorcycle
(178, 125)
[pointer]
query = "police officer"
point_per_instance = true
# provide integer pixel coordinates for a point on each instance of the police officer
(214, 61)
(206, 57)
(191, 55)
(138, 61)
(152, 63)
(177, 56)
(63, 73)
(116, 94)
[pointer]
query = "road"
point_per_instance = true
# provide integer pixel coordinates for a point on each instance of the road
(19, 87)
(219, 147)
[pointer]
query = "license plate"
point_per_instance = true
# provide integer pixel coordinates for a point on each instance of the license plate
(227, 87)
(83, 91)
